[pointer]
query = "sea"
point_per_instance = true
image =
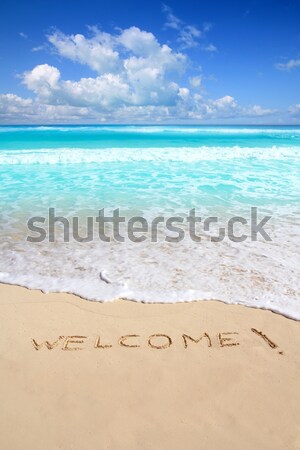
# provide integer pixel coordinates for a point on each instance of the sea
(189, 201)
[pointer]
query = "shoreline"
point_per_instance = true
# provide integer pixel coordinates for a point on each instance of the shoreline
(132, 375)
(3, 288)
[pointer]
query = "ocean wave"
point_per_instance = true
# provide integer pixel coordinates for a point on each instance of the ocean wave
(157, 129)
(257, 274)
(172, 154)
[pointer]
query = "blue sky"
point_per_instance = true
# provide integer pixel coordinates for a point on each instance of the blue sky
(132, 61)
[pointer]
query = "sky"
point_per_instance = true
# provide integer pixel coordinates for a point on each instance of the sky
(129, 61)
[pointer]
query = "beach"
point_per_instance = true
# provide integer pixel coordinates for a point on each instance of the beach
(149, 287)
(150, 225)
(197, 375)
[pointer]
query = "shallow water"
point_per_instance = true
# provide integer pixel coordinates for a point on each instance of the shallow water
(149, 171)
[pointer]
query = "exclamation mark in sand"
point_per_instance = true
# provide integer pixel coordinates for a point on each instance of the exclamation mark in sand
(266, 339)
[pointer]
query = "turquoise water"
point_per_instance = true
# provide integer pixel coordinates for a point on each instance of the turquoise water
(151, 170)
(143, 167)
(20, 137)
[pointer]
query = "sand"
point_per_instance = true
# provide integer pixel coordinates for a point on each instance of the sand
(124, 375)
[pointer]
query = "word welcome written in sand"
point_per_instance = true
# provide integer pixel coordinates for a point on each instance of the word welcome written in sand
(158, 341)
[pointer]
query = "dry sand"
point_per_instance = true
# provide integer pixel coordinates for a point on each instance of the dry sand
(139, 380)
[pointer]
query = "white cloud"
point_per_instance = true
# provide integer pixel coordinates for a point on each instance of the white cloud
(257, 110)
(188, 35)
(189, 108)
(105, 92)
(225, 107)
(171, 20)
(225, 102)
(39, 48)
(137, 79)
(11, 104)
(111, 53)
(184, 93)
(15, 109)
(140, 85)
(96, 52)
(209, 48)
(207, 26)
(291, 64)
(140, 43)
(143, 114)
(295, 109)
(42, 80)
(140, 73)
(56, 113)
(195, 81)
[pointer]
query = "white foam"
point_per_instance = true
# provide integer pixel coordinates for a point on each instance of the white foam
(257, 274)
(172, 154)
